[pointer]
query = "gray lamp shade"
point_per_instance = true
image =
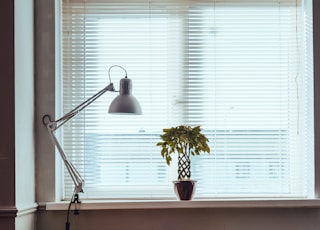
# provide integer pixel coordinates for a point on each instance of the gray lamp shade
(125, 103)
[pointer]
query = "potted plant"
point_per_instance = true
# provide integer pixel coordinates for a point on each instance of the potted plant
(185, 141)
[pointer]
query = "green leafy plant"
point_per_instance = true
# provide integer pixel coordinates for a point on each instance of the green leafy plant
(185, 141)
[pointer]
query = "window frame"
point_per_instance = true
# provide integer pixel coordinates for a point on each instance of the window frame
(51, 192)
(93, 18)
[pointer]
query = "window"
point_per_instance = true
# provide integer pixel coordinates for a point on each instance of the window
(237, 68)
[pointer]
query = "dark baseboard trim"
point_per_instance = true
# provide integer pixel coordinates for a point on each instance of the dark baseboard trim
(7, 211)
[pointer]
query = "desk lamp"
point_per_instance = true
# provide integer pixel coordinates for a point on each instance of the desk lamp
(124, 103)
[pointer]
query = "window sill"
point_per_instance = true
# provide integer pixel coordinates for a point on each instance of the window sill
(152, 204)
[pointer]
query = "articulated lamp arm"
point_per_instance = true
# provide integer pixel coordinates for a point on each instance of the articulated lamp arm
(52, 126)
(124, 103)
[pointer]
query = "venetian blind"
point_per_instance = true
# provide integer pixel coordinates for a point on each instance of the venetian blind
(237, 68)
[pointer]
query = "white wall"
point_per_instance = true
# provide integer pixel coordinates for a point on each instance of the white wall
(17, 153)
(24, 115)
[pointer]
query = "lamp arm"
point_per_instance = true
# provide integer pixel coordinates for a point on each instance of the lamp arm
(75, 175)
(61, 121)
(52, 126)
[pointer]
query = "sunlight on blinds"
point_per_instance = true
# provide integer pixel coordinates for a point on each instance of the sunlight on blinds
(237, 68)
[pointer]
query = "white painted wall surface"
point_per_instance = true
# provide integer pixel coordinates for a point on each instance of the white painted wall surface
(24, 114)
